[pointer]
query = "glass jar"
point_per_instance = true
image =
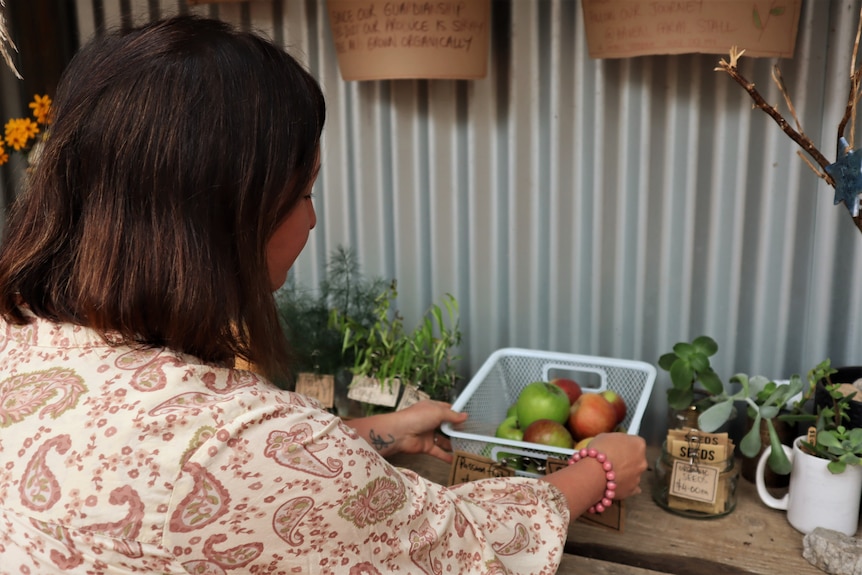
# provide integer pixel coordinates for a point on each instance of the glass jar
(695, 489)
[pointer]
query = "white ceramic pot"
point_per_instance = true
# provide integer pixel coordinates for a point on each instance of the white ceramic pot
(816, 497)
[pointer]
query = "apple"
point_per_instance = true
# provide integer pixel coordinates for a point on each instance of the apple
(509, 429)
(617, 401)
(583, 443)
(591, 415)
(542, 400)
(548, 432)
(513, 410)
(570, 386)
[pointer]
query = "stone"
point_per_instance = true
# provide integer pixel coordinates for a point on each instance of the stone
(833, 552)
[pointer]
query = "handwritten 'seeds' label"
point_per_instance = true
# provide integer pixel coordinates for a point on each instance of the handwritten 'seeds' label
(320, 387)
(626, 28)
(386, 40)
(372, 390)
(470, 467)
(692, 481)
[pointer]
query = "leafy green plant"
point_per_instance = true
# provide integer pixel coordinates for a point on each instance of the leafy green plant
(841, 446)
(689, 365)
(384, 349)
(316, 344)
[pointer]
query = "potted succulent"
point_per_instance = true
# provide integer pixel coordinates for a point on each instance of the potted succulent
(693, 380)
(835, 439)
(826, 470)
(765, 401)
(393, 366)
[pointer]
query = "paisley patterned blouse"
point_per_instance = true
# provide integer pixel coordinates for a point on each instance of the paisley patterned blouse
(115, 460)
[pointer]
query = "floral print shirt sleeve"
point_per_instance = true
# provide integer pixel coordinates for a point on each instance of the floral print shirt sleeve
(116, 460)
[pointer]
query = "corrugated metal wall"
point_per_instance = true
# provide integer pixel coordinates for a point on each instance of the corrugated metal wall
(606, 207)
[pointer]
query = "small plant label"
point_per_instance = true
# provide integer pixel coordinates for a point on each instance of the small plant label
(320, 387)
(470, 467)
(694, 481)
(371, 390)
(411, 395)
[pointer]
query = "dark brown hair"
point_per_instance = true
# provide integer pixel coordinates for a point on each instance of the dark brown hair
(176, 150)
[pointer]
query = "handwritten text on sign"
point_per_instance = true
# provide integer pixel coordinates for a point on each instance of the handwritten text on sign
(377, 39)
(625, 28)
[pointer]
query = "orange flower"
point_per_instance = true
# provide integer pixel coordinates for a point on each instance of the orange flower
(41, 106)
(4, 157)
(19, 131)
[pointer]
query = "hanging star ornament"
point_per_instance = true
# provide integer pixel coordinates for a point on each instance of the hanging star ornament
(847, 174)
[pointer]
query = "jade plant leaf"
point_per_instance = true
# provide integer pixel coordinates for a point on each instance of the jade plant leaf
(681, 374)
(705, 345)
(715, 416)
(679, 398)
(711, 382)
(750, 444)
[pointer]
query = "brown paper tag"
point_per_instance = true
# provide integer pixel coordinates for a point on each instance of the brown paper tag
(698, 482)
(709, 454)
(320, 387)
(470, 467)
(371, 390)
(411, 395)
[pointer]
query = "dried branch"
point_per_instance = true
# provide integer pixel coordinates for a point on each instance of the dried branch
(779, 81)
(800, 138)
(850, 110)
(815, 169)
(6, 43)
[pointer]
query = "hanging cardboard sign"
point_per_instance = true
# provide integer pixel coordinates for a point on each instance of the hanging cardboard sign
(625, 28)
(388, 40)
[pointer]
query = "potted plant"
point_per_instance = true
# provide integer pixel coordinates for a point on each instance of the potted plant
(391, 363)
(693, 380)
(835, 440)
(316, 343)
(765, 399)
(826, 470)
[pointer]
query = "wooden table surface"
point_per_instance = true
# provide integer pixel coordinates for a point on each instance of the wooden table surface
(753, 539)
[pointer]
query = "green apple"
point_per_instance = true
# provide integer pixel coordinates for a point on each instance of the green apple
(509, 429)
(542, 400)
(513, 410)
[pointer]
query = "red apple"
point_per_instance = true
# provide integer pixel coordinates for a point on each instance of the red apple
(591, 415)
(570, 386)
(549, 432)
(617, 401)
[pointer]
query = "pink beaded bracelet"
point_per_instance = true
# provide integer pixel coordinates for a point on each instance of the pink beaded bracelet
(610, 476)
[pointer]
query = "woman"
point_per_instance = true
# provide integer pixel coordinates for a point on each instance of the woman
(171, 198)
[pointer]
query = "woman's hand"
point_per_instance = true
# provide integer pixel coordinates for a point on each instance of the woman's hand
(584, 483)
(411, 430)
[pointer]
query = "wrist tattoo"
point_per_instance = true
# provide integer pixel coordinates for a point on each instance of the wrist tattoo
(378, 442)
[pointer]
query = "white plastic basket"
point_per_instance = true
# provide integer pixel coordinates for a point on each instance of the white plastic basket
(499, 381)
